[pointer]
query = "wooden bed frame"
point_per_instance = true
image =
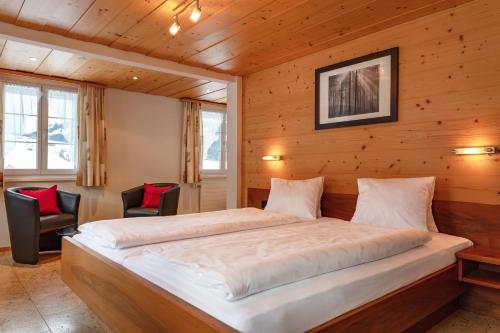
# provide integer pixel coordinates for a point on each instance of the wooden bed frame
(127, 302)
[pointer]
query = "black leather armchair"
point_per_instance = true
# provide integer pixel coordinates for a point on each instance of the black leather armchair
(31, 233)
(132, 201)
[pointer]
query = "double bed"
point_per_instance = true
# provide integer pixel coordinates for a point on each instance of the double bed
(403, 292)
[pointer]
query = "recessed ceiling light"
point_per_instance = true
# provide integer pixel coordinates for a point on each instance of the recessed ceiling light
(33, 59)
(135, 78)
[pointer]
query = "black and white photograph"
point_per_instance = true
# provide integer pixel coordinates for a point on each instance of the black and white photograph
(360, 91)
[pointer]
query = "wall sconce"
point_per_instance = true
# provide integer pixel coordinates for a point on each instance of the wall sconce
(474, 150)
(271, 158)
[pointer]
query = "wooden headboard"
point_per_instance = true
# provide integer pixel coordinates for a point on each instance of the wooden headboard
(477, 222)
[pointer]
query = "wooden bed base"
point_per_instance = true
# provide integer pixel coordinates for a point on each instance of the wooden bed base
(127, 302)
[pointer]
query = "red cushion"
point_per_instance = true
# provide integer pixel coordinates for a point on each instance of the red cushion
(47, 199)
(152, 195)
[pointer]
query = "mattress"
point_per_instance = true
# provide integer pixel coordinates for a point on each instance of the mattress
(302, 305)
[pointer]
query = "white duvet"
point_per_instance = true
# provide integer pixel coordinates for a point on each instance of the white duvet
(240, 264)
(123, 233)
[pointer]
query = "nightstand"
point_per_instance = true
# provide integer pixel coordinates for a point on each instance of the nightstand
(479, 265)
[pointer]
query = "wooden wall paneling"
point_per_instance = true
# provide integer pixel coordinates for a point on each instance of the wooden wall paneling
(447, 99)
(16, 56)
(98, 15)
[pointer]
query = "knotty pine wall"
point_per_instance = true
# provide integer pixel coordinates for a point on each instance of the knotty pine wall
(449, 96)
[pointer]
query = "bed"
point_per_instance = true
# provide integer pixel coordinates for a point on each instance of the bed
(409, 291)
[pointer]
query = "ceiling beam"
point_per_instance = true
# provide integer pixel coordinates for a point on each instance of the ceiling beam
(102, 52)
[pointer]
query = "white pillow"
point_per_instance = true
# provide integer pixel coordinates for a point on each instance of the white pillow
(397, 203)
(301, 198)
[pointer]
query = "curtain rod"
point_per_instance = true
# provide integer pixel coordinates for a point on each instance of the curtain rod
(48, 77)
(220, 105)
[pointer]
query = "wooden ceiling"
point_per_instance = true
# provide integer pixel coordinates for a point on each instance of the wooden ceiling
(39, 60)
(233, 36)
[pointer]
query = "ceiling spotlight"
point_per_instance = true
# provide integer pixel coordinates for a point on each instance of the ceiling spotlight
(33, 59)
(135, 78)
(175, 27)
(196, 13)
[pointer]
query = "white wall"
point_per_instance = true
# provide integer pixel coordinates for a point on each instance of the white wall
(144, 140)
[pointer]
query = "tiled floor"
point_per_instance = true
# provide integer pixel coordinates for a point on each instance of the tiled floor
(35, 300)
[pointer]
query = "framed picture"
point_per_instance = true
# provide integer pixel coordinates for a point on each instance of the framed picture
(360, 91)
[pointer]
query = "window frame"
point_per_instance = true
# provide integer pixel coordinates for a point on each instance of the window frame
(42, 170)
(222, 171)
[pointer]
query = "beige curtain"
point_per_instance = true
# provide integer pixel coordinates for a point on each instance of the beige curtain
(191, 143)
(1, 135)
(91, 137)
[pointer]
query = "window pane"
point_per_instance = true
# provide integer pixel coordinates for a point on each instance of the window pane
(212, 123)
(61, 157)
(20, 155)
(62, 130)
(20, 126)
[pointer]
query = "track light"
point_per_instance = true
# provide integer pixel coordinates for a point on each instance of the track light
(175, 27)
(196, 13)
(194, 17)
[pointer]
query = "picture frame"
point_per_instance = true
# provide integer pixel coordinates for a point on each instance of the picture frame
(360, 91)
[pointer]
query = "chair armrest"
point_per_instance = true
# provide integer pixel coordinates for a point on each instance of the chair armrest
(23, 217)
(169, 201)
(69, 203)
(132, 198)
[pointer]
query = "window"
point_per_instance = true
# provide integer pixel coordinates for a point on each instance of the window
(40, 130)
(214, 141)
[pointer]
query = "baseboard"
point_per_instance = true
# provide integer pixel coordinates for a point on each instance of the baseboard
(5, 249)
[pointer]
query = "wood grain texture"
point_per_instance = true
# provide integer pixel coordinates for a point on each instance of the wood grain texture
(66, 65)
(125, 301)
(237, 36)
(478, 222)
(448, 97)
(392, 312)
(129, 303)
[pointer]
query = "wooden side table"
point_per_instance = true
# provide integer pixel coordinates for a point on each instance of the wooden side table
(480, 266)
